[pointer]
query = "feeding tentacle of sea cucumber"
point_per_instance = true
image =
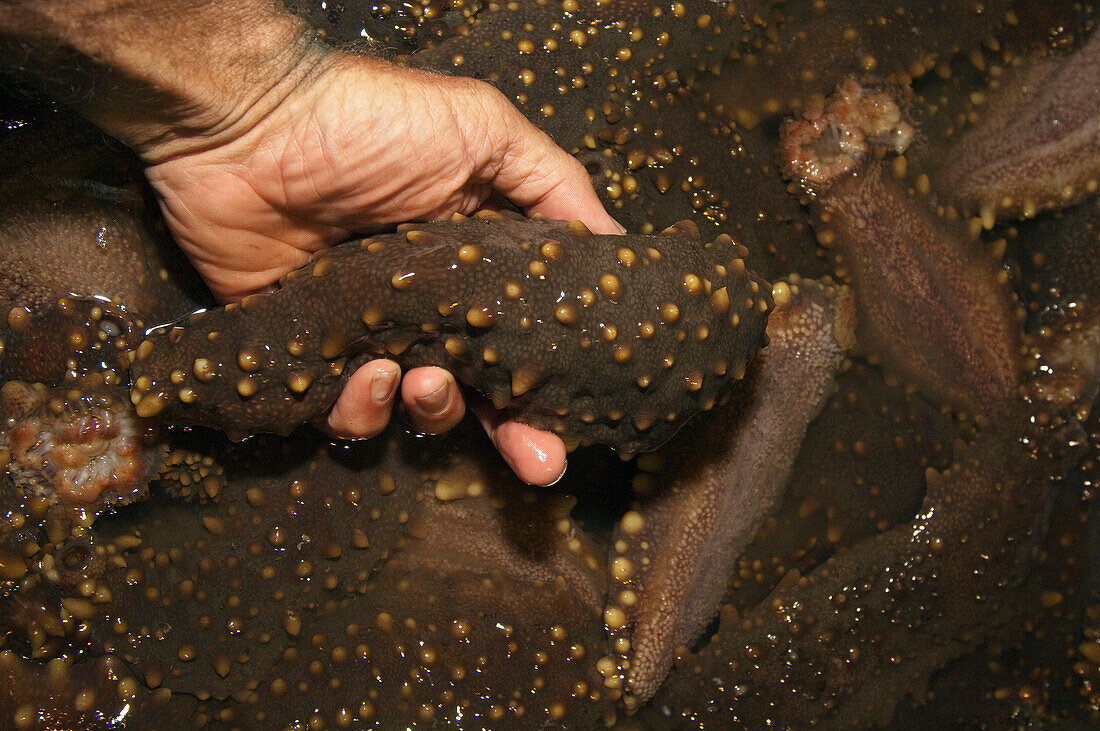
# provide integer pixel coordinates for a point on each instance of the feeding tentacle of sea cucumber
(609, 339)
(78, 444)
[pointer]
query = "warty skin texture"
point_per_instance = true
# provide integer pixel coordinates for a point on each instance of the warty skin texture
(1036, 143)
(598, 338)
(675, 550)
(860, 473)
(942, 317)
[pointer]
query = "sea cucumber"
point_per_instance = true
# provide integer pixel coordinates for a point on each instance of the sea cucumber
(603, 339)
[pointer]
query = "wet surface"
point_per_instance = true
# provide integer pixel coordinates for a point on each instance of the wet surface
(932, 557)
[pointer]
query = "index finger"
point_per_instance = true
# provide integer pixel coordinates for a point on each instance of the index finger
(541, 177)
(571, 199)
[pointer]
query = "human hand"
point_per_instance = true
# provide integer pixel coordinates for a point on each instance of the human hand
(358, 145)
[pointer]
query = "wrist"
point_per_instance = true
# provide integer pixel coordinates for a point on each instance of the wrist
(223, 84)
(202, 116)
(166, 78)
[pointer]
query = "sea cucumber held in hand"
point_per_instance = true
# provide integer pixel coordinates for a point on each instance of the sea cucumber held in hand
(608, 339)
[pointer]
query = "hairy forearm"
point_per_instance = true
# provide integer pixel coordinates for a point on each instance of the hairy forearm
(165, 76)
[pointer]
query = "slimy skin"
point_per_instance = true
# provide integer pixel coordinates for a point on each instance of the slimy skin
(675, 550)
(489, 606)
(878, 617)
(942, 319)
(244, 569)
(405, 26)
(609, 339)
(72, 337)
(860, 471)
(1036, 146)
(95, 691)
(571, 66)
(674, 155)
(812, 47)
(354, 570)
(96, 246)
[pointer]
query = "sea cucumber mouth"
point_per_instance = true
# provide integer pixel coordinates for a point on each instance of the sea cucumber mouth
(79, 444)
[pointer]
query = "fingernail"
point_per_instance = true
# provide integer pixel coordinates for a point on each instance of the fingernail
(383, 384)
(437, 400)
(622, 230)
(558, 478)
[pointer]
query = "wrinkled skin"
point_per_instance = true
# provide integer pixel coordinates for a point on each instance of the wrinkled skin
(408, 581)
